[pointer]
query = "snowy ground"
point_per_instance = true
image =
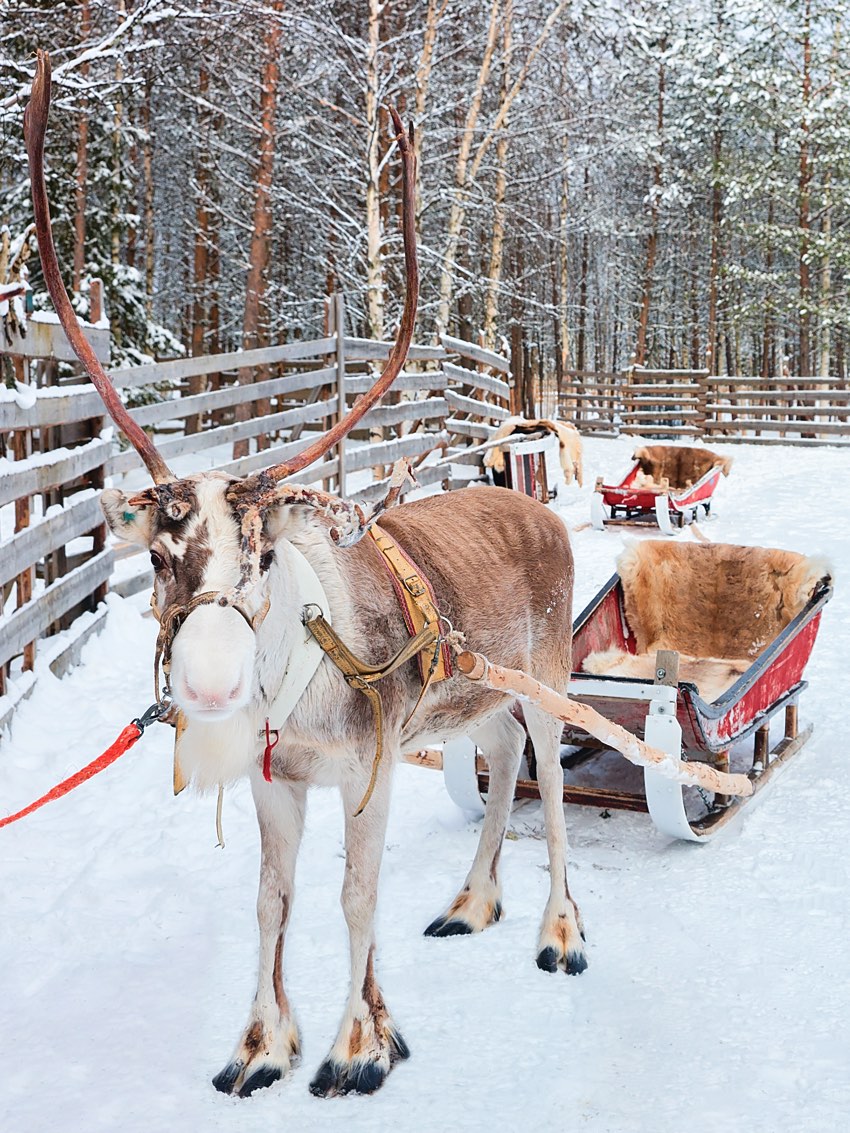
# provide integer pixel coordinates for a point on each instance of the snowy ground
(717, 996)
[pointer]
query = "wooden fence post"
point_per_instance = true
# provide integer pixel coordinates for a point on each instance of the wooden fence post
(702, 402)
(22, 448)
(339, 330)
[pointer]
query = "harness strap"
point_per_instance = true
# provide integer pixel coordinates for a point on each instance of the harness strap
(351, 666)
(361, 676)
(416, 597)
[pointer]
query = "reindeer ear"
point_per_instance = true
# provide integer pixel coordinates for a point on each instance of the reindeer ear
(126, 522)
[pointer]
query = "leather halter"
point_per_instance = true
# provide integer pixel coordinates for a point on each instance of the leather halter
(173, 618)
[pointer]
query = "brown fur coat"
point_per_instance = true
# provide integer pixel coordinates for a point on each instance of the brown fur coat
(569, 444)
(711, 675)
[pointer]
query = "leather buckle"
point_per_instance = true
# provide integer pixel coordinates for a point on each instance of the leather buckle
(414, 586)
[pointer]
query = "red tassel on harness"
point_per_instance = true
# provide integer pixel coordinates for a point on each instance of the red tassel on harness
(267, 754)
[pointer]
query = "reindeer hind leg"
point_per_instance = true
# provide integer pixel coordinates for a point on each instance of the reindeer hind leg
(561, 940)
(479, 903)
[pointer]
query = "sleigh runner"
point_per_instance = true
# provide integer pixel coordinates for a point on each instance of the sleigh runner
(670, 485)
(694, 648)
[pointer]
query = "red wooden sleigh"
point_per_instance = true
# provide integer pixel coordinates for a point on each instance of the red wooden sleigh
(745, 681)
(670, 485)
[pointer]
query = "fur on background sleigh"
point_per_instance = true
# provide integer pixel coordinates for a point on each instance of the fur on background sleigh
(569, 444)
(676, 466)
(718, 605)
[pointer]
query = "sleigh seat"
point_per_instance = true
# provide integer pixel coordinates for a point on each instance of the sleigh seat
(717, 605)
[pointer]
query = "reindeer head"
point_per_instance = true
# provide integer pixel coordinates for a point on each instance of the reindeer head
(212, 537)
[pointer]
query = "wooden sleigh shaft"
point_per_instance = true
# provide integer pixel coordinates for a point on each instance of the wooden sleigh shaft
(666, 774)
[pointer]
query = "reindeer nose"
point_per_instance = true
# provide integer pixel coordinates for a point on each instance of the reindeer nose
(212, 700)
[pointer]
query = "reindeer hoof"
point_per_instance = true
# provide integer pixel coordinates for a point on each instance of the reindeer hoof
(572, 962)
(334, 1078)
(265, 1076)
(360, 1076)
(442, 926)
(262, 1056)
(226, 1079)
(449, 925)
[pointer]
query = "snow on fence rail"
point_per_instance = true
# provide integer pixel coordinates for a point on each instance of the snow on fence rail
(693, 403)
(55, 564)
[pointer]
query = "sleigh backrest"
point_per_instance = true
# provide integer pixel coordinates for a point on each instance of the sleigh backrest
(713, 600)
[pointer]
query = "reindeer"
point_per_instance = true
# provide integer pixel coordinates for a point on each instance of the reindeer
(237, 562)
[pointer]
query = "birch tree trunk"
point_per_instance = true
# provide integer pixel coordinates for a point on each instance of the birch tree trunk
(769, 366)
(494, 275)
(458, 207)
(433, 15)
(564, 263)
(81, 173)
(826, 234)
(374, 241)
(826, 280)
(805, 190)
(652, 239)
(581, 339)
(117, 121)
(147, 174)
(254, 332)
(466, 171)
(200, 264)
(714, 261)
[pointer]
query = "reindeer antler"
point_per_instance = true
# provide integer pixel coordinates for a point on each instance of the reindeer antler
(35, 126)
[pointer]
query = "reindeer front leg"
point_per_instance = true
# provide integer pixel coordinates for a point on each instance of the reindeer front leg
(368, 1044)
(269, 1044)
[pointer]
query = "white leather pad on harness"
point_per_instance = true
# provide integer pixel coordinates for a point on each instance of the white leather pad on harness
(307, 654)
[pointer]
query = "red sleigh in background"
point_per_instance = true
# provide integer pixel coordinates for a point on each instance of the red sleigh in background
(670, 485)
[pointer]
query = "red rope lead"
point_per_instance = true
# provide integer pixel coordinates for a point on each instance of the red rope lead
(124, 742)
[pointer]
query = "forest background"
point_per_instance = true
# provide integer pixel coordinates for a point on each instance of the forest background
(666, 181)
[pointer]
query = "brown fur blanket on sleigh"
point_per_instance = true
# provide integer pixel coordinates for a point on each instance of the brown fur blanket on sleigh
(717, 604)
(676, 466)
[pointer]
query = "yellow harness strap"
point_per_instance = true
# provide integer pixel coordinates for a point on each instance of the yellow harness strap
(417, 603)
(423, 622)
(360, 676)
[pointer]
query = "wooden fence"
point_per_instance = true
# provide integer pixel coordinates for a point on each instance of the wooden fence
(692, 403)
(55, 560)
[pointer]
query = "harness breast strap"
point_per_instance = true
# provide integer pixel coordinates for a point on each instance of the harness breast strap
(422, 619)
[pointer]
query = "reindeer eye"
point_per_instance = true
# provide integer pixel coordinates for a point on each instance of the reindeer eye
(157, 562)
(266, 561)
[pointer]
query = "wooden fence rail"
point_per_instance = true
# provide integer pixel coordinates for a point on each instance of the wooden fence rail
(55, 563)
(692, 403)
